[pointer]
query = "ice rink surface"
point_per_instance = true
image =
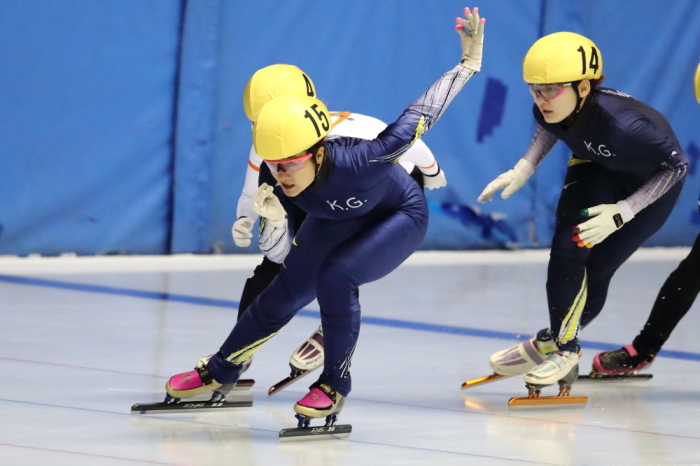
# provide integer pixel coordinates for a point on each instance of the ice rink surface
(83, 339)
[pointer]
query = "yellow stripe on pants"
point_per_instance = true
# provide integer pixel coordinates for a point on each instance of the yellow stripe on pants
(243, 354)
(571, 323)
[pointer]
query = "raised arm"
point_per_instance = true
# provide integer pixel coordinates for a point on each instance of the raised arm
(422, 114)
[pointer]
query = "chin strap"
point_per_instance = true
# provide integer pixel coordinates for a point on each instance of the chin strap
(317, 166)
(568, 121)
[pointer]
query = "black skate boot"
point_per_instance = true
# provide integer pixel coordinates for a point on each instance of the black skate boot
(624, 362)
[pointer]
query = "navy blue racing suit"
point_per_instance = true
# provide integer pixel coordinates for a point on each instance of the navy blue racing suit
(623, 150)
(365, 216)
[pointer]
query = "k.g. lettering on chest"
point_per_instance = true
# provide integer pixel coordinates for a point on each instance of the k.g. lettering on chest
(598, 149)
(350, 203)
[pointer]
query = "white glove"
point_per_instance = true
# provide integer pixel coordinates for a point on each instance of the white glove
(266, 204)
(241, 231)
(473, 42)
(509, 182)
(608, 219)
(435, 181)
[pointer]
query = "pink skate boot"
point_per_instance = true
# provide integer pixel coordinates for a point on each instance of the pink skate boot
(192, 383)
(321, 401)
(624, 361)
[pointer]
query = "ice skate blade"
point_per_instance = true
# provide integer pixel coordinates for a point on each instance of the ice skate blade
(244, 384)
(298, 434)
(189, 406)
(482, 381)
(615, 378)
(279, 386)
(547, 401)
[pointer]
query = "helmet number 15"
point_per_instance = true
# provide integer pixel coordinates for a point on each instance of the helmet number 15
(322, 117)
(594, 59)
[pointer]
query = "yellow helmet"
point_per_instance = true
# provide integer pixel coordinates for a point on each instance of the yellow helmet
(562, 57)
(697, 83)
(288, 125)
(274, 81)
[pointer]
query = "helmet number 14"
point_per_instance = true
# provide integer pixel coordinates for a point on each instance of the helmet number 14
(325, 124)
(594, 59)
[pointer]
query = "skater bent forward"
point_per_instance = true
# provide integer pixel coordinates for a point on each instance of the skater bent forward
(365, 216)
(276, 81)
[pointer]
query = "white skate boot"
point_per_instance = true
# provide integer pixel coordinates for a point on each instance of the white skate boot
(516, 360)
(305, 359)
(309, 355)
(559, 367)
(521, 358)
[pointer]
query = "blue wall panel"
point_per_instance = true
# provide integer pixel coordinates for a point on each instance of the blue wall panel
(376, 57)
(655, 67)
(196, 127)
(122, 130)
(86, 98)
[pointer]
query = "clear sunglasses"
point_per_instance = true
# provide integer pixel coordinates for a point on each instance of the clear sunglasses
(287, 166)
(547, 91)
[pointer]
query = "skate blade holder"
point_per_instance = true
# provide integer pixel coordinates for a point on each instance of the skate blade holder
(282, 384)
(562, 400)
(238, 397)
(597, 377)
(482, 381)
(188, 406)
(243, 384)
(548, 402)
(329, 431)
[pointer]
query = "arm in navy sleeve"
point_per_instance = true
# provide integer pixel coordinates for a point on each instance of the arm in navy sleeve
(652, 146)
(413, 123)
